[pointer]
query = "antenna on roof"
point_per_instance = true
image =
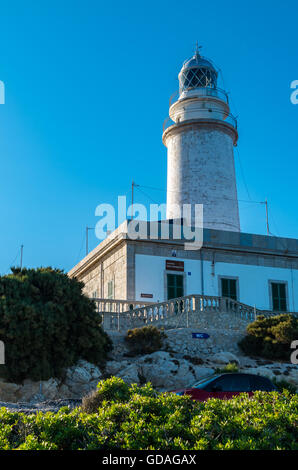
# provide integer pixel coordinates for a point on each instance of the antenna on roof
(197, 52)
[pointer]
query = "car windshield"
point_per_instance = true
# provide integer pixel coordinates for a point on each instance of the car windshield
(203, 382)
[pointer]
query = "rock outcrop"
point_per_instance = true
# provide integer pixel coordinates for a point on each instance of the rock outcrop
(183, 361)
(79, 380)
(224, 357)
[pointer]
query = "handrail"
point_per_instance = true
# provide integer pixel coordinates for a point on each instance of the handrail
(202, 91)
(228, 117)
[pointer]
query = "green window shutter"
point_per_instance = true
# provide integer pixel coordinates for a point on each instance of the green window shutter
(171, 293)
(279, 297)
(283, 298)
(171, 280)
(224, 288)
(233, 289)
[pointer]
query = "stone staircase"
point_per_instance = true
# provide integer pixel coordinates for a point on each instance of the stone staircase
(187, 311)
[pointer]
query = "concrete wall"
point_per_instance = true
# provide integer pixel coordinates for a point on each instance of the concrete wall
(253, 281)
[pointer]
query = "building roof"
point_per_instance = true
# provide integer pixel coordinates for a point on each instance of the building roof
(212, 239)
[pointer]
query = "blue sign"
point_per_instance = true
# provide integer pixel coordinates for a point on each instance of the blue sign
(200, 335)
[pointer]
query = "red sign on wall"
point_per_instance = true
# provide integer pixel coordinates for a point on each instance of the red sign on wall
(173, 265)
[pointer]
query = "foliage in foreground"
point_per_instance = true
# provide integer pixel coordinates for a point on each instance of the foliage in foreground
(284, 385)
(140, 418)
(47, 324)
(270, 337)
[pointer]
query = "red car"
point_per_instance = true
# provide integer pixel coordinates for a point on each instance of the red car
(225, 386)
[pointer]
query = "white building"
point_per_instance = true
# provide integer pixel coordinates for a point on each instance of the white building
(256, 270)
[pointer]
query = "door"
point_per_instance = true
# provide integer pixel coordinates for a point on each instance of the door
(229, 288)
(175, 286)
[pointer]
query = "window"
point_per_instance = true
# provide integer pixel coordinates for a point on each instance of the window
(197, 77)
(232, 383)
(175, 285)
(279, 297)
(229, 288)
(110, 289)
(261, 383)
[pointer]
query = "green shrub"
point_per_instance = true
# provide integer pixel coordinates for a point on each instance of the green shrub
(270, 337)
(47, 324)
(145, 340)
(229, 368)
(32, 443)
(91, 402)
(141, 418)
(284, 385)
(115, 390)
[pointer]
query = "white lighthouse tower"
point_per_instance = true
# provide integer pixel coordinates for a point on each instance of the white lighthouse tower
(200, 136)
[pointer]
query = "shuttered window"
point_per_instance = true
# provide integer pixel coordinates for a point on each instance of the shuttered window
(279, 296)
(110, 290)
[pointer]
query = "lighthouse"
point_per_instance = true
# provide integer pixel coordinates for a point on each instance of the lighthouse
(200, 135)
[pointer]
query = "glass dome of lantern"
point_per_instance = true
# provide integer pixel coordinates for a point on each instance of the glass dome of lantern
(197, 72)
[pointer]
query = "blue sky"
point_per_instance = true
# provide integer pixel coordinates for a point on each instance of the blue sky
(87, 90)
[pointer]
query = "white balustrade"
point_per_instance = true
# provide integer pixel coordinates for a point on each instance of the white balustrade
(122, 315)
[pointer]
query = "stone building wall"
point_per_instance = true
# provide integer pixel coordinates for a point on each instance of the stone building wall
(92, 281)
(112, 267)
(201, 171)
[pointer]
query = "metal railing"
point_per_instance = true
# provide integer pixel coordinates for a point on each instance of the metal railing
(201, 91)
(205, 114)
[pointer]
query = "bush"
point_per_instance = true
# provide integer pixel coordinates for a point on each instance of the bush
(270, 337)
(113, 389)
(284, 385)
(144, 340)
(228, 369)
(47, 324)
(141, 418)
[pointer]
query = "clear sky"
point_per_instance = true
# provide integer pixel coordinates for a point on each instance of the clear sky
(87, 90)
